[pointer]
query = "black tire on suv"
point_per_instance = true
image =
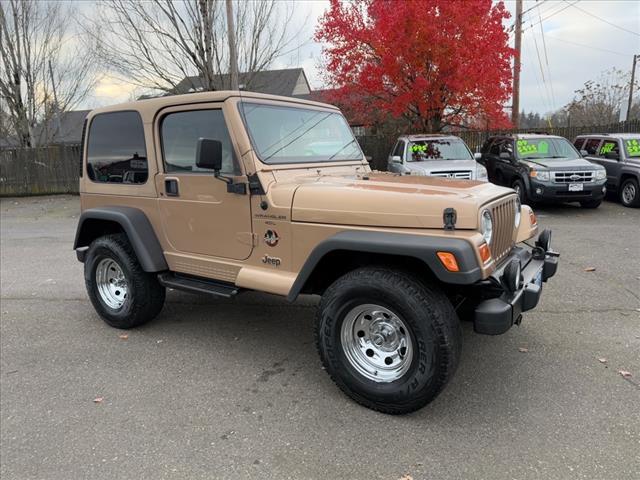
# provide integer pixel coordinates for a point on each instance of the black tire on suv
(630, 193)
(388, 340)
(122, 293)
(521, 190)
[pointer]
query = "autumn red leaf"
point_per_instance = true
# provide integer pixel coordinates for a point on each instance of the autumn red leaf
(435, 63)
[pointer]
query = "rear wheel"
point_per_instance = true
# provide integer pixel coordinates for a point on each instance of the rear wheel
(123, 294)
(389, 341)
(630, 193)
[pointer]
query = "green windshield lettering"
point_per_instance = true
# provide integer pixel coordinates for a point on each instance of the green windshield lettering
(633, 147)
(526, 148)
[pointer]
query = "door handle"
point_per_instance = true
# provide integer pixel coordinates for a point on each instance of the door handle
(171, 187)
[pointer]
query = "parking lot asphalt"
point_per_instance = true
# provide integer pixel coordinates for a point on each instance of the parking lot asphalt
(235, 389)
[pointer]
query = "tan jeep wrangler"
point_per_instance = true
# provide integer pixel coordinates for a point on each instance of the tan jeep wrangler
(222, 192)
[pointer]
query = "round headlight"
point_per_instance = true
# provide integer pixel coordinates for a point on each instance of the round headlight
(518, 211)
(487, 226)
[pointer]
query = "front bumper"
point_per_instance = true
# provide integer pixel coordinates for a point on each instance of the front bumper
(496, 315)
(547, 191)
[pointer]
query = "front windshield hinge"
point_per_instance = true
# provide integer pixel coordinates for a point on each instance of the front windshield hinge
(255, 187)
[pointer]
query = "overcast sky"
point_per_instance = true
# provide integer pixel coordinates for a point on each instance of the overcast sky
(579, 45)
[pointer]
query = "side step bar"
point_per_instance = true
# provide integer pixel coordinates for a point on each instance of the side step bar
(197, 285)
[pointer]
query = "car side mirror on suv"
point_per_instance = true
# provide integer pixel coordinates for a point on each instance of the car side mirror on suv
(209, 155)
(396, 159)
(506, 156)
(477, 156)
(584, 153)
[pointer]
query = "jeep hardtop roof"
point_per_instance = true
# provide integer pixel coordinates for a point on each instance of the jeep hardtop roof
(152, 105)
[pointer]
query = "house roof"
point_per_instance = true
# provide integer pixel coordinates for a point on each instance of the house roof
(286, 82)
(63, 128)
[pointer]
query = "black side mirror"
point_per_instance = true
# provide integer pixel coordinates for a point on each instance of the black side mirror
(612, 155)
(209, 154)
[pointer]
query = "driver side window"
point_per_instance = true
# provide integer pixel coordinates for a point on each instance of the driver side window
(180, 132)
(399, 151)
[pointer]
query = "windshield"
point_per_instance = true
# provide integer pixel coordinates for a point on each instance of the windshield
(438, 149)
(536, 148)
(632, 147)
(298, 135)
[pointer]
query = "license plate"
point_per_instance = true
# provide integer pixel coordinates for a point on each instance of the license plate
(538, 279)
(576, 187)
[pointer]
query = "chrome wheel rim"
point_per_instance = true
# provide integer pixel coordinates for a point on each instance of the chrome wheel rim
(376, 343)
(629, 192)
(112, 284)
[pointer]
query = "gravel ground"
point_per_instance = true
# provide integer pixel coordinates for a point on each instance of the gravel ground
(234, 388)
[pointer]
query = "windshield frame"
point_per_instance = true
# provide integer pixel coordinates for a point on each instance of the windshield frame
(273, 161)
(526, 158)
(450, 139)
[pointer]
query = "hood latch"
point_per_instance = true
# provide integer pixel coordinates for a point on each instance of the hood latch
(449, 216)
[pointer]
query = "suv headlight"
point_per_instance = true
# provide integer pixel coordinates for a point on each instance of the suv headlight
(601, 174)
(486, 226)
(542, 175)
(481, 173)
(518, 212)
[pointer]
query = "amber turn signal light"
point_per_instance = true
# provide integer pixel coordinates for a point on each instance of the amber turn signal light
(449, 261)
(485, 252)
(532, 218)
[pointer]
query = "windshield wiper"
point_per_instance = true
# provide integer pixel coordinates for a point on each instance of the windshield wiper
(341, 148)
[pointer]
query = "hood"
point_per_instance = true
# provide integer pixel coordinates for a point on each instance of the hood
(562, 164)
(383, 199)
(430, 166)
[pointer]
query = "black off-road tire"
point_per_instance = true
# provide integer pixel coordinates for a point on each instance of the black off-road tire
(633, 184)
(434, 329)
(590, 203)
(145, 296)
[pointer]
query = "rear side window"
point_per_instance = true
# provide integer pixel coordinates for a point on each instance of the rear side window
(399, 151)
(116, 151)
(578, 143)
(180, 132)
(609, 146)
(592, 146)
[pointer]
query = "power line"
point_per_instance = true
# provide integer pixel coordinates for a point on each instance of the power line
(589, 46)
(605, 21)
(546, 61)
(550, 15)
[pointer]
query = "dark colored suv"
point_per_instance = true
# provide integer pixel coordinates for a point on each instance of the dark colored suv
(619, 154)
(543, 168)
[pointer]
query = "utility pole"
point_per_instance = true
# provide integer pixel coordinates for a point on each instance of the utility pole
(633, 76)
(233, 56)
(515, 104)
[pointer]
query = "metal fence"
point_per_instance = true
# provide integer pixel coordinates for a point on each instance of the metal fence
(378, 147)
(39, 170)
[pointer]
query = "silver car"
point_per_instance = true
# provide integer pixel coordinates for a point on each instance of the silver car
(435, 155)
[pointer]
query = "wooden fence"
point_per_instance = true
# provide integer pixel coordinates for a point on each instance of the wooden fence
(39, 170)
(378, 147)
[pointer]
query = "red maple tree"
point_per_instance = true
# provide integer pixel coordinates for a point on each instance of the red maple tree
(436, 63)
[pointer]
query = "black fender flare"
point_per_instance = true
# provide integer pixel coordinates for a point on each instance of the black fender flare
(135, 224)
(420, 247)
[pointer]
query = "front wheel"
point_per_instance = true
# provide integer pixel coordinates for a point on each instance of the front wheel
(521, 191)
(630, 193)
(389, 341)
(123, 294)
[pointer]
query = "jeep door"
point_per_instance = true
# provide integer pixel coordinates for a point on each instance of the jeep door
(199, 216)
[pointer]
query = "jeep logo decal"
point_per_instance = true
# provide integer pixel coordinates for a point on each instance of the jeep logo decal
(275, 261)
